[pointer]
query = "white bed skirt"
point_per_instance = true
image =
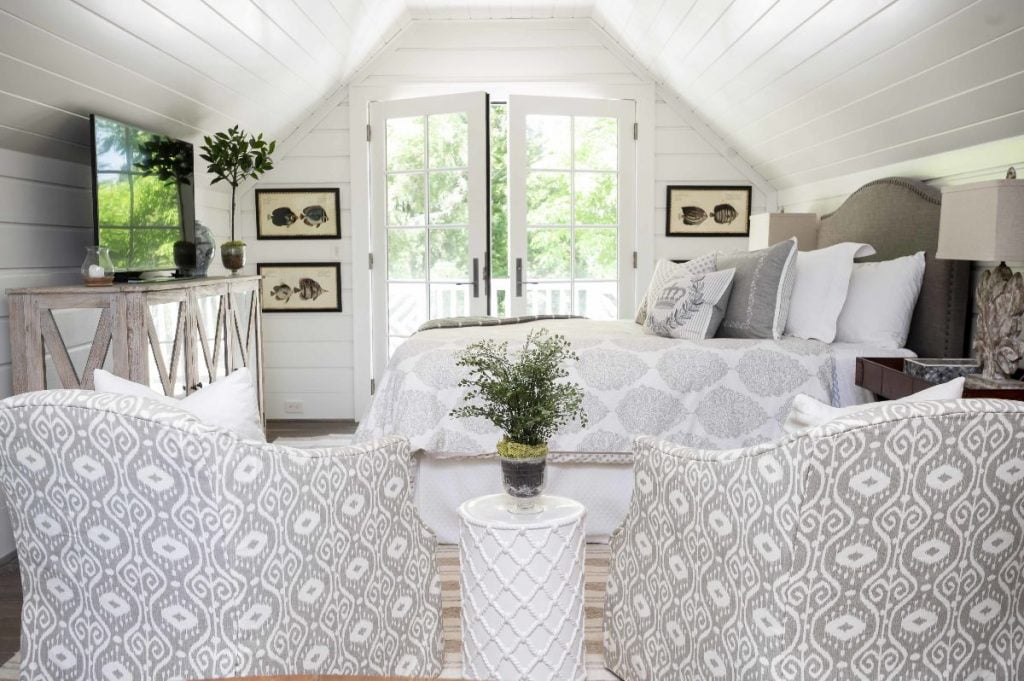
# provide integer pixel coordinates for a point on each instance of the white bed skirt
(443, 484)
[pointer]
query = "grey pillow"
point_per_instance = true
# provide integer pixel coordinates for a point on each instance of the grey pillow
(691, 306)
(762, 285)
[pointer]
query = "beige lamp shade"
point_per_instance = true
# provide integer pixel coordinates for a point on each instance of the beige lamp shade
(983, 221)
(767, 229)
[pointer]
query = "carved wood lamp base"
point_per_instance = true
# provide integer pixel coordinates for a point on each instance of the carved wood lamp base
(999, 340)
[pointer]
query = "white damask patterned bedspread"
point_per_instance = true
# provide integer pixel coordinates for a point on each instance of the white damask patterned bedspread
(713, 394)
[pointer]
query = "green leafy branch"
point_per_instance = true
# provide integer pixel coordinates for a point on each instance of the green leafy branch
(522, 393)
(234, 155)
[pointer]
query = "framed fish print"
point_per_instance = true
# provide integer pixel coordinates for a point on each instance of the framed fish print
(298, 213)
(300, 286)
(707, 211)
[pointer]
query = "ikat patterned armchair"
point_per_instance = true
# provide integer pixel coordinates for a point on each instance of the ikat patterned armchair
(155, 547)
(885, 545)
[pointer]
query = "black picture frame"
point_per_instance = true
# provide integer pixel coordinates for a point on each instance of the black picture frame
(265, 203)
(711, 204)
(272, 303)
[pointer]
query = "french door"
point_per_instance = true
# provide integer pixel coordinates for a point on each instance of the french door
(430, 214)
(572, 216)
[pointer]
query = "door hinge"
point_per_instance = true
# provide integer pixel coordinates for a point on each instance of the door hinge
(370, 260)
(636, 131)
(367, 132)
(373, 386)
(634, 260)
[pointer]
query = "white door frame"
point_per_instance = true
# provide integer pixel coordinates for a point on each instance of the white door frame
(359, 97)
(624, 111)
(474, 104)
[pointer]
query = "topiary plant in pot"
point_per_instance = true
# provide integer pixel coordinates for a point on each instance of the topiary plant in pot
(524, 395)
(234, 155)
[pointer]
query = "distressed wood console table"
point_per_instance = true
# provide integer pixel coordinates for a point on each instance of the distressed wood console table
(173, 336)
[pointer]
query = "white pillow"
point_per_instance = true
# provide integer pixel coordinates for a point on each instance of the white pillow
(808, 412)
(665, 271)
(228, 403)
(820, 288)
(881, 302)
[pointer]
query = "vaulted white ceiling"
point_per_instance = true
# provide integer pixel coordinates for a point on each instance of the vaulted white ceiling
(802, 89)
(809, 89)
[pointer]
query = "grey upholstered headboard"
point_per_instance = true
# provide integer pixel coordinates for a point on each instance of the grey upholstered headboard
(900, 216)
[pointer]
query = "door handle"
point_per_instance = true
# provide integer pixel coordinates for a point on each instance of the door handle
(475, 283)
(519, 277)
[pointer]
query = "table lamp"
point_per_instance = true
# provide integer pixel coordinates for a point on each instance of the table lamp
(984, 221)
(767, 229)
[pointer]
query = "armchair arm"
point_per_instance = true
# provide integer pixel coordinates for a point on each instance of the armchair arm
(339, 572)
(699, 562)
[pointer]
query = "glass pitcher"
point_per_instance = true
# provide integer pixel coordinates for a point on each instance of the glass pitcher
(97, 268)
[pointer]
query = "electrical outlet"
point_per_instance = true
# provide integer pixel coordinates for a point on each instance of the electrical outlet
(293, 407)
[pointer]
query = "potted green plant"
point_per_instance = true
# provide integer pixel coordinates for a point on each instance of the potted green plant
(524, 395)
(234, 155)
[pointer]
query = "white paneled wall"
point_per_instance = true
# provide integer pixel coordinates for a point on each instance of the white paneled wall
(308, 356)
(682, 156)
(971, 164)
(45, 225)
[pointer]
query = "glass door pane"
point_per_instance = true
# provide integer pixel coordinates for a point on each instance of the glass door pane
(432, 213)
(571, 223)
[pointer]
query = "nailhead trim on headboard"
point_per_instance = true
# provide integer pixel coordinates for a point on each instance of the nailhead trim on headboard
(926, 192)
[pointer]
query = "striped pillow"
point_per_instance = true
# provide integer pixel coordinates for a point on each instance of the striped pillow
(665, 271)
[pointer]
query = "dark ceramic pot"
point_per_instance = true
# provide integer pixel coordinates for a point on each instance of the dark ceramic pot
(185, 257)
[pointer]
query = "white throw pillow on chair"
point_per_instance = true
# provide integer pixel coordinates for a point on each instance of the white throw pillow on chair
(228, 403)
(807, 412)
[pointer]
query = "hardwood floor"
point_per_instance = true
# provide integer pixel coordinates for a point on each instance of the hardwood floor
(10, 608)
(10, 578)
(281, 428)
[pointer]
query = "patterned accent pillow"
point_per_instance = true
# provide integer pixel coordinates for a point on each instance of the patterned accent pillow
(691, 307)
(665, 271)
(763, 284)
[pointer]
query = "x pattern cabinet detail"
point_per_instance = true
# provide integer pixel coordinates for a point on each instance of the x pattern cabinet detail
(173, 336)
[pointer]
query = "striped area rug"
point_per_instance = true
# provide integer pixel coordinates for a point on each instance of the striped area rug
(596, 572)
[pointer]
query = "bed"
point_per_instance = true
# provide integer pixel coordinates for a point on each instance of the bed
(718, 393)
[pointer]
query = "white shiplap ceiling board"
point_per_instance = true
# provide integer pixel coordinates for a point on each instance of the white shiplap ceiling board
(182, 67)
(808, 89)
(800, 90)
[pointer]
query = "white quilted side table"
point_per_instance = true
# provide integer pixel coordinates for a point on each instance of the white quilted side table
(522, 590)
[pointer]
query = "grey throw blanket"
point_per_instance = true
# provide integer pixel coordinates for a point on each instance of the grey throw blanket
(459, 322)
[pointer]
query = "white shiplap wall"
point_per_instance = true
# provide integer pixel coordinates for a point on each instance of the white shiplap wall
(683, 156)
(308, 356)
